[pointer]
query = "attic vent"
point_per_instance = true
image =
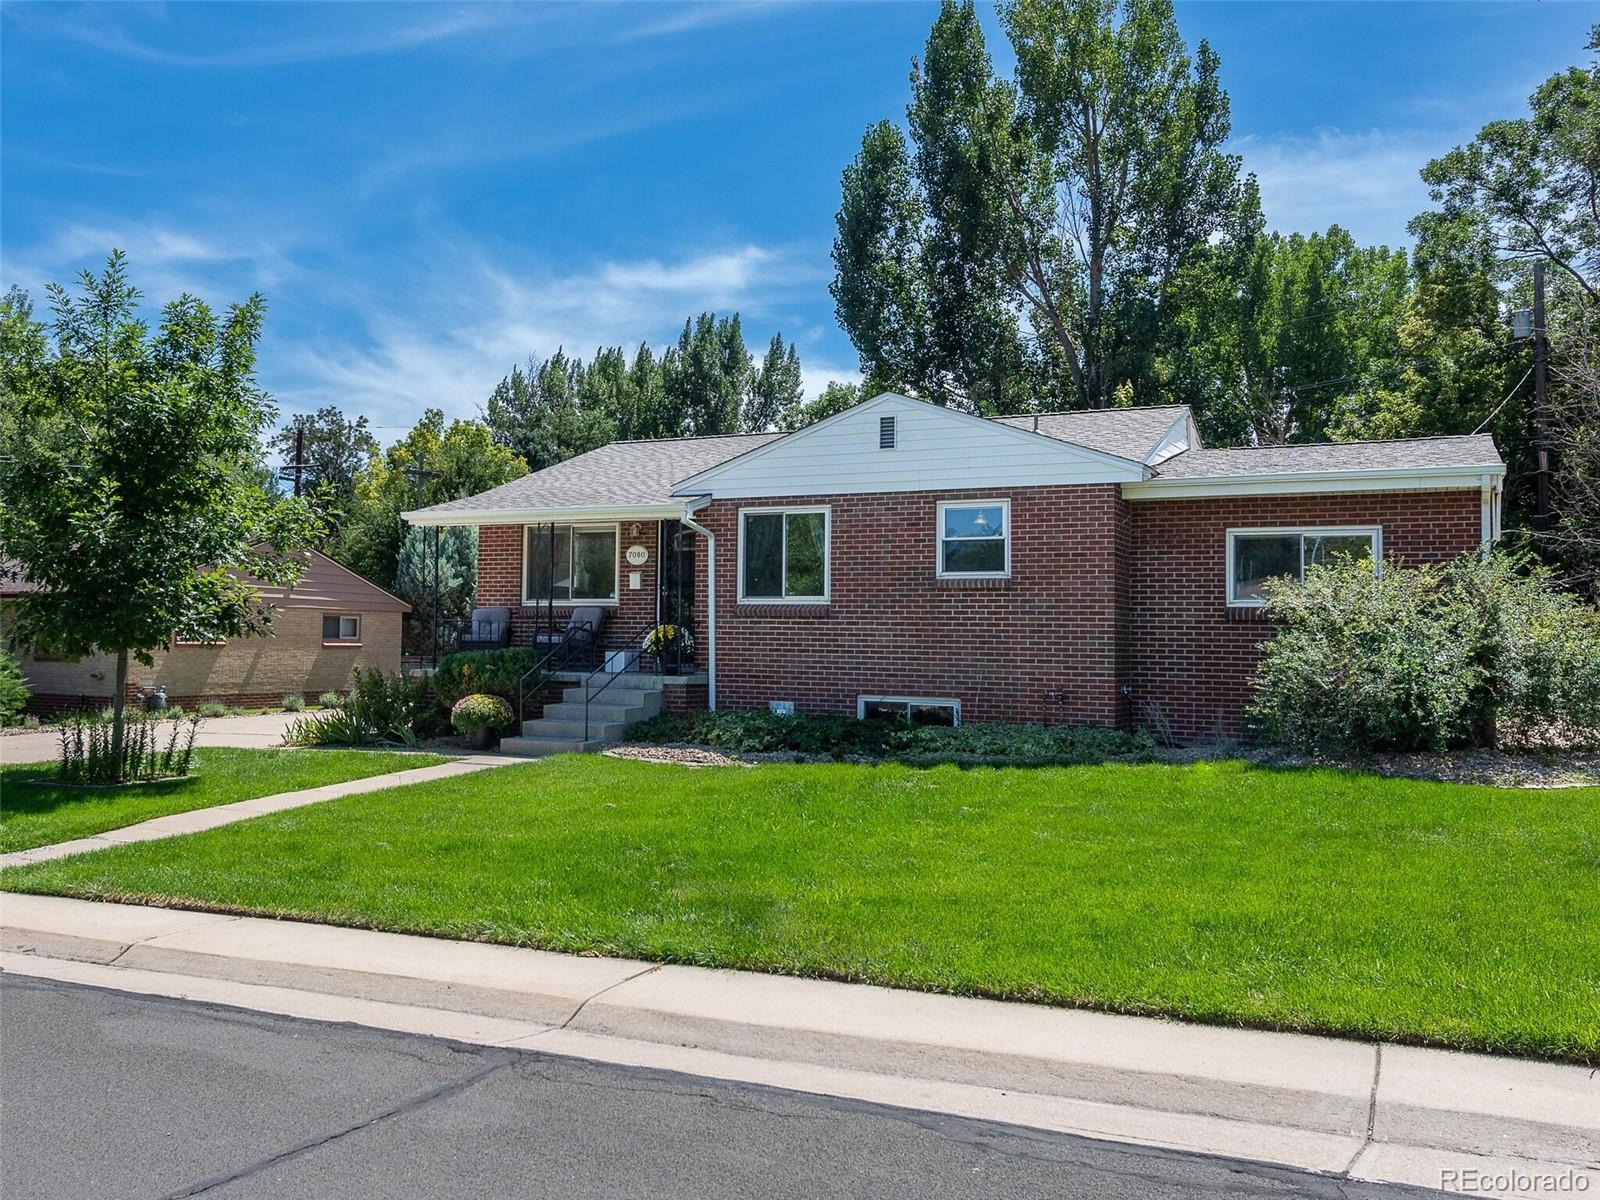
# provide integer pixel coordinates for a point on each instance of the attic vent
(885, 433)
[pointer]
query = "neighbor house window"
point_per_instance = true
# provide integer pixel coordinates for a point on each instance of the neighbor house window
(783, 554)
(975, 538)
(1257, 555)
(916, 710)
(584, 559)
(341, 628)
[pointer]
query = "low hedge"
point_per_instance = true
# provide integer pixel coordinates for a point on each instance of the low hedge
(491, 672)
(983, 744)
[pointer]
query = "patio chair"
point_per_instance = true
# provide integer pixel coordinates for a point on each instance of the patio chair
(490, 630)
(582, 633)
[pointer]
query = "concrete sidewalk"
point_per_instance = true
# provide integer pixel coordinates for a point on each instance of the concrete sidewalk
(196, 820)
(259, 732)
(1348, 1109)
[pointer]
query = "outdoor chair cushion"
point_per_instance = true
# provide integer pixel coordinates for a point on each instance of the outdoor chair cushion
(490, 624)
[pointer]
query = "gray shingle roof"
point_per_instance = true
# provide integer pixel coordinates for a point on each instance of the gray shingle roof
(622, 473)
(1411, 454)
(1125, 432)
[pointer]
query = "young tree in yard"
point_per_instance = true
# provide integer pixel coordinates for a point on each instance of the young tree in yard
(776, 388)
(129, 494)
(442, 587)
(1024, 243)
(460, 460)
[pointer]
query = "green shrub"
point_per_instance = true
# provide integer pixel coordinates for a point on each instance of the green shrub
(756, 731)
(479, 711)
(212, 709)
(379, 709)
(491, 672)
(330, 700)
(294, 703)
(13, 689)
(1475, 653)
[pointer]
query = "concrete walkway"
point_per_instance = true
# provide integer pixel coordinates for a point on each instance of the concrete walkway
(198, 819)
(258, 732)
(1352, 1110)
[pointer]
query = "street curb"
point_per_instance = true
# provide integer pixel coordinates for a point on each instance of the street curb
(1342, 1097)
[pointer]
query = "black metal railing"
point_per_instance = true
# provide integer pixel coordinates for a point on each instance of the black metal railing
(634, 656)
(574, 639)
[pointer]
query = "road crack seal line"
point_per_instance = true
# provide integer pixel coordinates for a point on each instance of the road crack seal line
(431, 1096)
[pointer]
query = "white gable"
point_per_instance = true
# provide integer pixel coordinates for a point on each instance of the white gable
(935, 449)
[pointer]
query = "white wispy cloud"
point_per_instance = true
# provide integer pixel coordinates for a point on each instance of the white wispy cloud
(113, 35)
(672, 19)
(1367, 182)
(444, 339)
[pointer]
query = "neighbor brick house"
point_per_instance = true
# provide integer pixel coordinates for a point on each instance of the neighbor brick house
(330, 622)
(1097, 567)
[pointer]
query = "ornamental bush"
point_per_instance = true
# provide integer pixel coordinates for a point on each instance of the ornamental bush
(493, 672)
(479, 711)
(1478, 652)
(13, 689)
(380, 708)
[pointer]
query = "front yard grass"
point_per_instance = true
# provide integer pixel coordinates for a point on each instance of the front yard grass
(34, 814)
(1312, 899)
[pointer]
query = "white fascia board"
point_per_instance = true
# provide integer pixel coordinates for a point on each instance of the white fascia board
(703, 484)
(1303, 482)
(427, 517)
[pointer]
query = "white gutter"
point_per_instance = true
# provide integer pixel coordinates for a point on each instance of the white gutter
(426, 517)
(1389, 479)
(687, 518)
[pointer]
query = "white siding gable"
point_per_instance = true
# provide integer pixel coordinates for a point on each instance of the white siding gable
(935, 449)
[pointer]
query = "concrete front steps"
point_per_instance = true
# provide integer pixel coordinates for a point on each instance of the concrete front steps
(617, 702)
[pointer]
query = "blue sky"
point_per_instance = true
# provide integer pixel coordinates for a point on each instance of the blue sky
(428, 194)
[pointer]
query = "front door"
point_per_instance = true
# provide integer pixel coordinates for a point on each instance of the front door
(675, 605)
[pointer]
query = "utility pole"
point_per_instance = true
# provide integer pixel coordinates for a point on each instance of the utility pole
(1541, 414)
(293, 471)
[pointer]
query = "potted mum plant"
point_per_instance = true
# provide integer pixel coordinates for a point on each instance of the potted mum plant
(479, 717)
(672, 646)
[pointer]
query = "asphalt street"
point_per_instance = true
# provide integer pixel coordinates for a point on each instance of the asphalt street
(105, 1094)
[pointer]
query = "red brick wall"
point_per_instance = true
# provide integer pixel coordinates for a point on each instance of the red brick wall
(891, 627)
(1190, 654)
(500, 583)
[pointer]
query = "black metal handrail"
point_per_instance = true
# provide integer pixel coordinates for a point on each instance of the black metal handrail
(562, 652)
(635, 653)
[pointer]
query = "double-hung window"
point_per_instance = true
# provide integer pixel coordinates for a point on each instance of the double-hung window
(1257, 555)
(974, 539)
(570, 564)
(783, 555)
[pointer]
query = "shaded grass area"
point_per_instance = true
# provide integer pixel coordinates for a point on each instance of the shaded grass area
(1315, 899)
(32, 814)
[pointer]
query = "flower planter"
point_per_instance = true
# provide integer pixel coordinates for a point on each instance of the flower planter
(482, 738)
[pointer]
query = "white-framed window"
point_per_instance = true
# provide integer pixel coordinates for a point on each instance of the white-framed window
(916, 710)
(585, 564)
(1257, 555)
(341, 627)
(783, 555)
(974, 539)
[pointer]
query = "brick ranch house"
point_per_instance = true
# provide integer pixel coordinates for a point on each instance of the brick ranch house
(1096, 567)
(327, 624)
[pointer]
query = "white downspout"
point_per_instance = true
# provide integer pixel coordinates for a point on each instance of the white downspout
(1486, 514)
(711, 598)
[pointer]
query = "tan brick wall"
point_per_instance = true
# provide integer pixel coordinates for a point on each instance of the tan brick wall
(293, 659)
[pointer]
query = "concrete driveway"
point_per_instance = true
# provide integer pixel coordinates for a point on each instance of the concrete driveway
(249, 732)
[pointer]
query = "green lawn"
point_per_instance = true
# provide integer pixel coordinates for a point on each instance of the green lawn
(34, 815)
(1317, 900)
